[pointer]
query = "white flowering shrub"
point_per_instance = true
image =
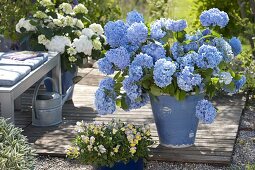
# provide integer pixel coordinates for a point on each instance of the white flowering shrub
(61, 29)
(104, 144)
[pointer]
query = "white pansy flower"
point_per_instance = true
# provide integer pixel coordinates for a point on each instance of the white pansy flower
(23, 23)
(83, 45)
(97, 28)
(79, 24)
(88, 32)
(40, 15)
(97, 44)
(101, 149)
(42, 39)
(80, 8)
(225, 77)
(66, 8)
(58, 44)
(46, 3)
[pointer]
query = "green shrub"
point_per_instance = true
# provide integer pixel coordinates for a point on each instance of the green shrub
(15, 152)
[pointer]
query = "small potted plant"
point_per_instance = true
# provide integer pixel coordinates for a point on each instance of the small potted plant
(111, 146)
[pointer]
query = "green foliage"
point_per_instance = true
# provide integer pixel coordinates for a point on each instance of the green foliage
(245, 63)
(105, 144)
(10, 13)
(15, 151)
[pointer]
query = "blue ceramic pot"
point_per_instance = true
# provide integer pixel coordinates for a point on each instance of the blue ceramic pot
(131, 165)
(67, 81)
(175, 120)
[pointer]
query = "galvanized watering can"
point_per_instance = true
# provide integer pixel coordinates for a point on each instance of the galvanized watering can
(47, 106)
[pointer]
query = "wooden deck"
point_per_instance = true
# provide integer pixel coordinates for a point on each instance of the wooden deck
(214, 143)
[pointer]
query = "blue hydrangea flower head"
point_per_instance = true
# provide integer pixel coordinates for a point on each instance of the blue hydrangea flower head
(156, 29)
(177, 50)
(192, 46)
(206, 32)
(213, 17)
(133, 17)
(209, 57)
(194, 37)
(175, 26)
(105, 66)
(105, 104)
(135, 72)
(224, 48)
(187, 60)
(133, 90)
(186, 79)
(205, 111)
(240, 83)
(120, 57)
(142, 101)
(225, 77)
(236, 45)
(131, 48)
(137, 33)
(107, 83)
(143, 60)
(163, 72)
(116, 33)
(154, 50)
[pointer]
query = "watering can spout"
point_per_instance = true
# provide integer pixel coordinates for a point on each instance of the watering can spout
(67, 94)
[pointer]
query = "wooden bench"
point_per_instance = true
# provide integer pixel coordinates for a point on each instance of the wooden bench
(9, 94)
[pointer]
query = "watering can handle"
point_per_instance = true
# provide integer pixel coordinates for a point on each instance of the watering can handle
(37, 89)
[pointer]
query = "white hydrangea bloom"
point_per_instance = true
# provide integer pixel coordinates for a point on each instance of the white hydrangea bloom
(80, 8)
(79, 24)
(58, 22)
(46, 3)
(68, 21)
(225, 77)
(88, 32)
(97, 44)
(58, 44)
(83, 45)
(51, 25)
(71, 51)
(66, 8)
(97, 28)
(40, 15)
(42, 39)
(23, 23)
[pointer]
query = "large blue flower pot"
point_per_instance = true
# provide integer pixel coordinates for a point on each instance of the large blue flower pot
(131, 165)
(67, 81)
(175, 120)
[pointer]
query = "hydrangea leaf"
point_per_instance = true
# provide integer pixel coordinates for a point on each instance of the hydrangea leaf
(155, 90)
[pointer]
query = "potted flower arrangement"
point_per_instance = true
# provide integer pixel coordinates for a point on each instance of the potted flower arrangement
(174, 70)
(111, 146)
(62, 29)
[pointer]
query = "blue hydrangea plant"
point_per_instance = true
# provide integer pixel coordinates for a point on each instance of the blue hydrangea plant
(162, 58)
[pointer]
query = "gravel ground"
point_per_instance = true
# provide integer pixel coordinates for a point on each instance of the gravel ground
(244, 153)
